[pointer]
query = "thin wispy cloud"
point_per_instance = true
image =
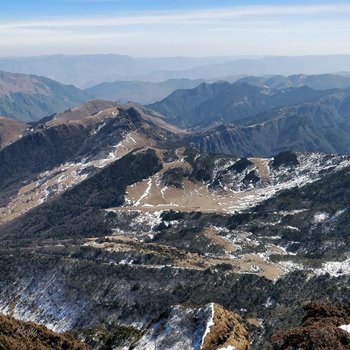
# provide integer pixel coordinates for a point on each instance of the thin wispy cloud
(232, 30)
(180, 17)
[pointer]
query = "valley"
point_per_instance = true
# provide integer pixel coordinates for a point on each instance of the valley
(118, 224)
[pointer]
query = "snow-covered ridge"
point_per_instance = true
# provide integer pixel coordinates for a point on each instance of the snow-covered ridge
(192, 328)
(182, 328)
(210, 323)
(229, 190)
(55, 181)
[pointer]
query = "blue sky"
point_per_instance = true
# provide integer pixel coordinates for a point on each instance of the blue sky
(174, 28)
(43, 8)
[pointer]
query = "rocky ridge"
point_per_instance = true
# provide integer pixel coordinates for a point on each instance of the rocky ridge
(128, 201)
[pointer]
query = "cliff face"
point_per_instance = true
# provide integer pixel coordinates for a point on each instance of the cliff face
(19, 335)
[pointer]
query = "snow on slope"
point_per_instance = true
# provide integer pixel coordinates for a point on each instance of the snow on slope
(234, 193)
(209, 327)
(182, 328)
(55, 181)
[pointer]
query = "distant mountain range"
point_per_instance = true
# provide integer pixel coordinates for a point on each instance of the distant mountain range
(186, 102)
(30, 97)
(140, 91)
(317, 82)
(281, 65)
(249, 120)
(88, 70)
(225, 102)
(150, 92)
(322, 125)
(255, 116)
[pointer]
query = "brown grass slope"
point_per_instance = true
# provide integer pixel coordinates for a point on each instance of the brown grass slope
(319, 330)
(10, 131)
(227, 332)
(19, 335)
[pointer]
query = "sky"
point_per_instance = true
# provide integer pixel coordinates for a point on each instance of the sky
(174, 28)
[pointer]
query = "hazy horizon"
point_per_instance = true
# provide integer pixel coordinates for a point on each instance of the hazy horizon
(195, 28)
(222, 57)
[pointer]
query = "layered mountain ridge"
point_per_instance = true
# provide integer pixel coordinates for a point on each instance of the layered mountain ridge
(239, 118)
(258, 121)
(317, 82)
(227, 102)
(29, 97)
(140, 91)
(130, 232)
(87, 70)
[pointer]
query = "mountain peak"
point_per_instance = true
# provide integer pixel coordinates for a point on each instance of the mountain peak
(30, 97)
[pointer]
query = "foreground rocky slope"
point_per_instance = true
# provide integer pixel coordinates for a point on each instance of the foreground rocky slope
(116, 225)
(324, 326)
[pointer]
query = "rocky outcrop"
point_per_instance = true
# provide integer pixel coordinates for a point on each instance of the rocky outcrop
(324, 327)
(210, 327)
(226, 331)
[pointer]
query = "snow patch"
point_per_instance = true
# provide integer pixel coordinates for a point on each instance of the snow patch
(320, 217)
(335, 268)
(345, 327)
(146, 193)
(209, 324)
